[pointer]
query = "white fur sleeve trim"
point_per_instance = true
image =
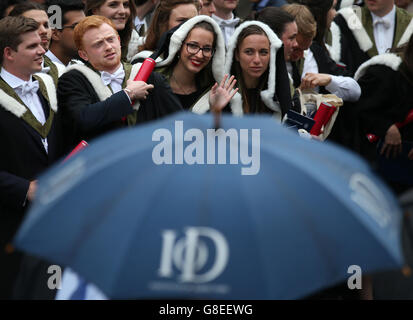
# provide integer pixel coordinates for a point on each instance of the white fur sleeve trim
(390, 60)
(202, 105)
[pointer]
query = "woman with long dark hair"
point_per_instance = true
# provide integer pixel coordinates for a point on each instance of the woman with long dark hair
(122, 13)
(253, 52)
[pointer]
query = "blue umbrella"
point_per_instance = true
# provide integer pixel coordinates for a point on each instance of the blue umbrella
(145, 212)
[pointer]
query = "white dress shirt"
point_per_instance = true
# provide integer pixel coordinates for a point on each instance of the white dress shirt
(383, 30)
(345, 88)
(114, 80)
(227, 26)
(32, 101)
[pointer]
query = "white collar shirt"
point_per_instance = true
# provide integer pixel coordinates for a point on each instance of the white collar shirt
(114, 80)
(383, 30)
(30, 99)
(227, 26)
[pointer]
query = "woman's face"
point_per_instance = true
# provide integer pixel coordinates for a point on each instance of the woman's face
(331, 14)
(253, 56)
(181, 13)
(116, 10)
(197, 38)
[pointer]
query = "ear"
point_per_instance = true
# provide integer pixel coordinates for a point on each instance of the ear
(56, 34)
(83, 54)
(8, 54)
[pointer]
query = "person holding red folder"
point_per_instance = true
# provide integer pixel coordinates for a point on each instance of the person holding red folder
(101, 95)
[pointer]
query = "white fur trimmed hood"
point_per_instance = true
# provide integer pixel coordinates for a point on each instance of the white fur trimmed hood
(390, 60)
(178, 38)
(268, 94)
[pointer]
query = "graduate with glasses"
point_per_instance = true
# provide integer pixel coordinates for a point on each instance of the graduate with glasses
(195, 62)
(62, 47)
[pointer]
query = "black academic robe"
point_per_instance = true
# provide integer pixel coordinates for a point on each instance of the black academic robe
(23, 158)
(386, 99)
(86, 115)
(353, 26)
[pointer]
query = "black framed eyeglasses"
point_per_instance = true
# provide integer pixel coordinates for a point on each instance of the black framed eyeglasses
(193, 48)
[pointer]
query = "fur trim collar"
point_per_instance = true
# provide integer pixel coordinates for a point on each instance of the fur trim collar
(390, 60)
(95, 80)
(356, 27)
(102, 91)
(60, 69)
(346, 3)
(50, 89)
(335, 48)
(267, 95)
(12, 105)
(18, 109)
(407, 34)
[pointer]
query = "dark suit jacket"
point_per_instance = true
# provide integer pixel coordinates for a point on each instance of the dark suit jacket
(23, 158)
(86, 117)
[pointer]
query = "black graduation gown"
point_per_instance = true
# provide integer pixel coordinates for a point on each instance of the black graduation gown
(85, 116)
(386, 99)
(23, 158)
(351, 54)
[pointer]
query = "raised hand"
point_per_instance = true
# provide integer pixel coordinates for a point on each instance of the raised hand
(222, 94)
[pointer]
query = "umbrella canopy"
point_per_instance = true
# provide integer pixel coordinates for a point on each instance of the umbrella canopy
(159, 211)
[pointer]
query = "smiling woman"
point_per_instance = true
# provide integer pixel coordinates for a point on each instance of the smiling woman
(122, 13)
(194, 62)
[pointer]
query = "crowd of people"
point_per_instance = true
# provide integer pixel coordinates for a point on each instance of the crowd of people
(71, 79)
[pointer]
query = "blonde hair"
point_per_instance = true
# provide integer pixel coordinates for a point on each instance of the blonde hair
(304, 19)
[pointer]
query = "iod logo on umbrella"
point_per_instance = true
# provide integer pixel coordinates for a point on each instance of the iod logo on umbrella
(203, 150)
(191, 253)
